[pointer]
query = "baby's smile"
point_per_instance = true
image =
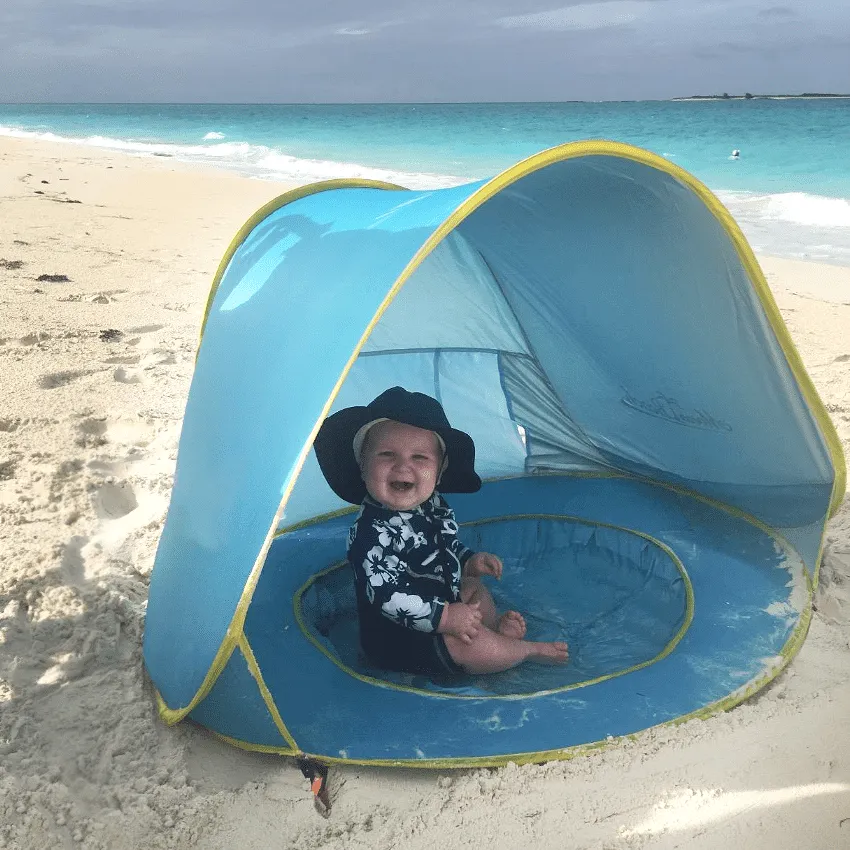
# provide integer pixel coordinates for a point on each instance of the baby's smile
(402, 486)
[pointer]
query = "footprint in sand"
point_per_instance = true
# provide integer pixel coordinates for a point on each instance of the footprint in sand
(114, 500)
(127, 376)
(135, 433)
(126, 491)
(34, 338)
(104, 467)
(90, 433)
(142, 329)
(124, 360)
(68, 469)
(146, 361)
(148, 356)
(72, 566)
(145, 329)
(107, 297)
(157, 357)
(60, 379)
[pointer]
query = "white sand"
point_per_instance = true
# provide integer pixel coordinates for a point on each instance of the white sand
(89, 424)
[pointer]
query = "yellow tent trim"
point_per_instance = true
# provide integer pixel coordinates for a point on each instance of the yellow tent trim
(272, 206)
(255, 748)
(170, 716)
(254, 669)
(305, 523)
(464, 209)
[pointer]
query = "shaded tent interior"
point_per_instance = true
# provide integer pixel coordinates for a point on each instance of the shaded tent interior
(658, 466)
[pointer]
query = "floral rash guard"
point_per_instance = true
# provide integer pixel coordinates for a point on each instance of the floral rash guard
(407, 567)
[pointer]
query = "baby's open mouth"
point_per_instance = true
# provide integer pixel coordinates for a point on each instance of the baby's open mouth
(401, 486)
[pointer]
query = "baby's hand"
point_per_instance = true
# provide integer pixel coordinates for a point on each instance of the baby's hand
(483, 564)
(461, 620)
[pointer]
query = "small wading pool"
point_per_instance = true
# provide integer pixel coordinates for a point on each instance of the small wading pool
(619, 599)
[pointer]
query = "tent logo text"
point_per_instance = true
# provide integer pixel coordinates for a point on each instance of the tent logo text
(665, 407)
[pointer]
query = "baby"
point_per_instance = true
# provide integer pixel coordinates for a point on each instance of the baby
(421, 603)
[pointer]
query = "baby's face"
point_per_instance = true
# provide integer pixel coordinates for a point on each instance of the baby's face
(400, 464)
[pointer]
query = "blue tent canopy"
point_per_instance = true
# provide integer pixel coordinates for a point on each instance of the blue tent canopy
(658, 466)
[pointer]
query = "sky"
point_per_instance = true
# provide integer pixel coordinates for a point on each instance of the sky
(341, 51)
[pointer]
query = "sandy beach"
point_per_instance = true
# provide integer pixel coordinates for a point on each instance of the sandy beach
(105, 266)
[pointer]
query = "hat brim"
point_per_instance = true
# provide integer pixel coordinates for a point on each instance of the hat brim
(335, 452)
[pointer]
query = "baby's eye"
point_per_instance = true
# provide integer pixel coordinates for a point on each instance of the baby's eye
(421, 457)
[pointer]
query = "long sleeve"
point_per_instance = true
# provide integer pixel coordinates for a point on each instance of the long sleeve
(445, 516)
(461, 552)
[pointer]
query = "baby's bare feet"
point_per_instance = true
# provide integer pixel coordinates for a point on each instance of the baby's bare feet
(512, 625)
(550, 653)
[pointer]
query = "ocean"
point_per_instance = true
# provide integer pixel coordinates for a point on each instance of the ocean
(789, 188)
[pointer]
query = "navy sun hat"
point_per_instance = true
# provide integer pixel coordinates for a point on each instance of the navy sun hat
(334, 444)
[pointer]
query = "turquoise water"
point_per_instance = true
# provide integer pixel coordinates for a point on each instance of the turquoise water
(789, 189)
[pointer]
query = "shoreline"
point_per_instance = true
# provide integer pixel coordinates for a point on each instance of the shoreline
(806, 218)
(78, 150)
(96, 369)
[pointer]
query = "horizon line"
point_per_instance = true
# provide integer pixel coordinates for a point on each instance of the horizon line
(781, 95)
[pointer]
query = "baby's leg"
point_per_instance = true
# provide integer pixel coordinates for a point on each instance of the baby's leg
(510, 624)
(474, 590)
(491, 652)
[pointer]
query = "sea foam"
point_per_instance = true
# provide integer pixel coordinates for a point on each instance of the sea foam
(802, 208)
(257, 161)
(793, 224)
(786, 224)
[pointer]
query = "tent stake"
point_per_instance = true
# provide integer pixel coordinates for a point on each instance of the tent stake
(317, 773)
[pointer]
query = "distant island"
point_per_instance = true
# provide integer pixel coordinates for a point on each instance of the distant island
(748, 96)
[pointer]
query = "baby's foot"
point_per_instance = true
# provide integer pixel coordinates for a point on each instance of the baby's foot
(550, 653)
(512, 625)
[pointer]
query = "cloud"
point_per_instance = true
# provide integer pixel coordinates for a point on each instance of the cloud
(775, 12)
(585, 16)
(232, 50)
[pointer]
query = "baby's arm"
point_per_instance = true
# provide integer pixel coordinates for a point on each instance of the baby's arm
(483, 564)
(473, 564)
(461, 552)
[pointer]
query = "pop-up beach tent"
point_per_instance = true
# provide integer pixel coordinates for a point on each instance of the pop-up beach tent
(658, 466)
